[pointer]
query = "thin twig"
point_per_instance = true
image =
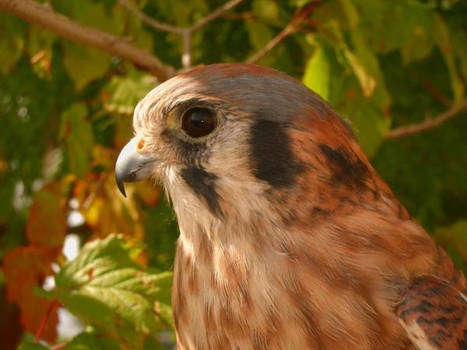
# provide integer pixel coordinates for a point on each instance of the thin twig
(436, 93)
(289, 29)
(150, 21)
(239, 16)
(427, 124)
(186, 56)
(214, 14)
(45, 17)
(185, 32)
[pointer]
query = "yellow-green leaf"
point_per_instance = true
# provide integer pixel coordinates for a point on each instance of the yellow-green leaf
(317, 73)
(443, 41)
(259, 33)
(84, 63)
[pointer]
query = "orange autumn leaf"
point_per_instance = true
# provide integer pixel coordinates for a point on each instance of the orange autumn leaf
(47, 222)
(24, 269)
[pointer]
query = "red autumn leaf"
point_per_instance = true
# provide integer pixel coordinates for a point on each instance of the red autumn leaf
(25, 268)
(47, 222)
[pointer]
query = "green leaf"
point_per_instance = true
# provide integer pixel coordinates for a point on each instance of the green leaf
(181, 13)
(84, 63)
(299, 3)
(350, 12)
(387, 26)
(161, 234)
(366, 105)
(137, 32)
(39, 39)
(266, 10)
(94, 14)
(125, 92)
(12, 40)
(418, 25)
(259, 33)
(104, 286)
(369, 123)
(443, 41)
(365, 78)
(88, 341)
(459, 38)
(317, 73)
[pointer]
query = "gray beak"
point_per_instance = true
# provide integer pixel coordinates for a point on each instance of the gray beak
(132, 165)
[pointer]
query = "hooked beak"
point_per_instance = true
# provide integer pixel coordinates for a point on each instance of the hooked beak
(133, 164)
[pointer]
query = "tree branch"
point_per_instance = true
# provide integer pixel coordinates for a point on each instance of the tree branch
(184, 32)
(214, 14)
(150, 21)
(45, 17)
(186, 56)
(289, 29)
(187, 32)
(427, 124)
(297, 19)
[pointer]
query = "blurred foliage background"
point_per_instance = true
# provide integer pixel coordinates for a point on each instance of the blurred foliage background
(66, 111)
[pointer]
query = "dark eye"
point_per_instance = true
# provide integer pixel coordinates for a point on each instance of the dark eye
(197, 122)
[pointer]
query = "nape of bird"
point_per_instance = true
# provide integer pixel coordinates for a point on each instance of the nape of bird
(289, 239)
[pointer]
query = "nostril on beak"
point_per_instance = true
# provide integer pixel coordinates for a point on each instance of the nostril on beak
(133, 165)
(140, 144)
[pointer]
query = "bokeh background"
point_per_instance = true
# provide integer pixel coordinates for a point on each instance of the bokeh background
(71, 73)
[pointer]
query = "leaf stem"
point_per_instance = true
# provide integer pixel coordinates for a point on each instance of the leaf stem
(52, 306)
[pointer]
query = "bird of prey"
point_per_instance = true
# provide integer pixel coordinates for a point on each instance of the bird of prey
(289, 239)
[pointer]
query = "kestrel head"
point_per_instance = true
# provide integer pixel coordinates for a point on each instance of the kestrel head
(227, 138)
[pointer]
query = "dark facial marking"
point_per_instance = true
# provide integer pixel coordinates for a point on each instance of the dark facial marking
(347, 171)
(204, 185)
(271, 156)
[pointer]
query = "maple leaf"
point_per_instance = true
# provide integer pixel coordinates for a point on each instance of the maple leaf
(105, 286)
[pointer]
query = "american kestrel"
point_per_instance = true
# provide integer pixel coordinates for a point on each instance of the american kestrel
(289, 239)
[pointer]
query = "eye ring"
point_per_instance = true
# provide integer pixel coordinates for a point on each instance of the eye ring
(198, 122)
